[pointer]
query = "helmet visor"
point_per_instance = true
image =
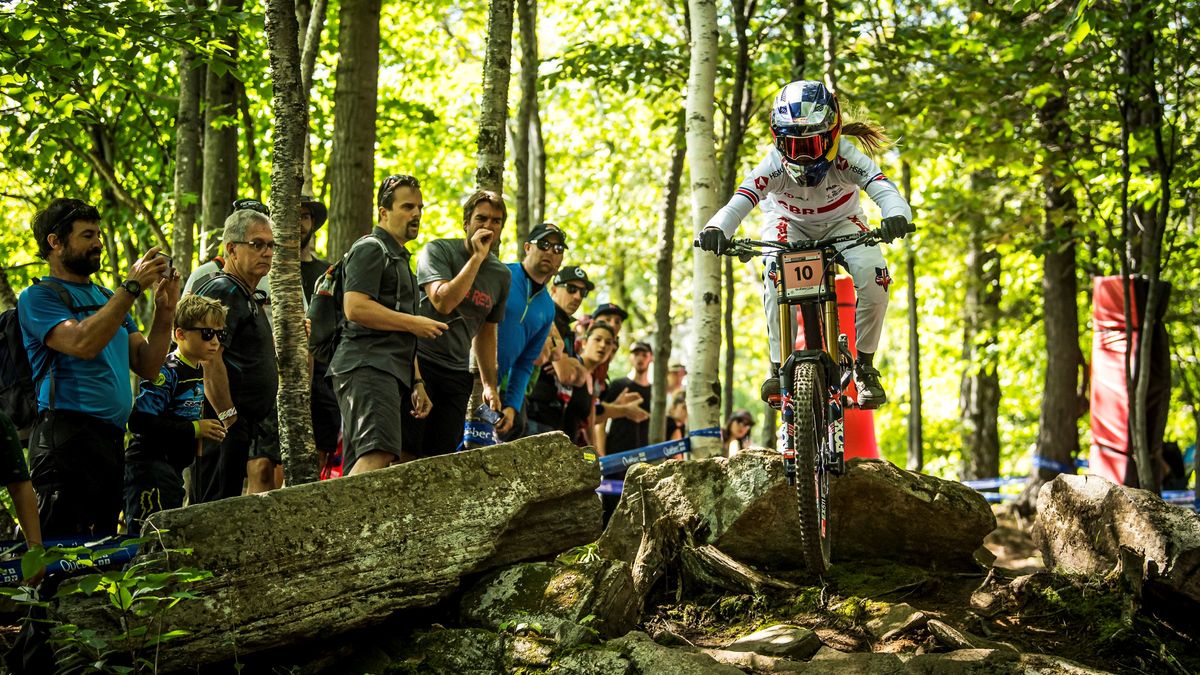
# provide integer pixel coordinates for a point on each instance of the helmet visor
(803, 149)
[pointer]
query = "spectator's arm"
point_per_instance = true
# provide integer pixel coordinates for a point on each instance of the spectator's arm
(216, 385)
(518, 378)
(25, 504)
(484, 345)
(146, 356)
(87, 338)
(363, 310)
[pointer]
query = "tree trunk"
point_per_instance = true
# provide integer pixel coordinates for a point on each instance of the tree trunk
(829, 31)
(1143, 118)
(252, 168)
(1058, 428)
(220, 174)
(797, 19)
(352, 159)
(497, 67)
(289, 102)
(703, 388)
(980, 394)
(313, 22)
(665, 267)
(188, 177)
(537, 167)
(738, 111)
(916, 439)
(523, 137)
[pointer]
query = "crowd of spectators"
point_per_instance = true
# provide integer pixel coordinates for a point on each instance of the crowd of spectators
(466, 349)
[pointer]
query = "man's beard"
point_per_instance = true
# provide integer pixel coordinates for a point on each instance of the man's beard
(82, 264)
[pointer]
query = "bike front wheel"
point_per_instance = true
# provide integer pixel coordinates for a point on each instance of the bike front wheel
(812, 480)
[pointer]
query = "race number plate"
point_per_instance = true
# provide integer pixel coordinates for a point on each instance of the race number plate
(803, 275)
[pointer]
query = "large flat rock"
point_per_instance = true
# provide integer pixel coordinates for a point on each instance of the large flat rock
(314, 560)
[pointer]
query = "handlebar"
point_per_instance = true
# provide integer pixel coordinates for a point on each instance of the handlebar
(748, 249)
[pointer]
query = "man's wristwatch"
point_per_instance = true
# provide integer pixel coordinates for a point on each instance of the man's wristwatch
(132, 287)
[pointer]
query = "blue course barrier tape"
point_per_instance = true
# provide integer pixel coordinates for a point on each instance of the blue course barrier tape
(992, 483)
(609, 486)
(711, 432)
(479, 433)
(618, 462)
(1043, 463)
(10, 570)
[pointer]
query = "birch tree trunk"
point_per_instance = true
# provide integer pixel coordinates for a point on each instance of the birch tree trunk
(1058, 428)
(220, 170)
(290, 105)
(664, 266)
(829, 29)
(352, 158)
(537, 167)
(188, 176)
(703, 387)
(497, 68)
(523, 136)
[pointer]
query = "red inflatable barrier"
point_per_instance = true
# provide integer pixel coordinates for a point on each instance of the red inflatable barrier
(1111, 447)
(860, 424)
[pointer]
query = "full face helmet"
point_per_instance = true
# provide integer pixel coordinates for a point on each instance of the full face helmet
(806, 125)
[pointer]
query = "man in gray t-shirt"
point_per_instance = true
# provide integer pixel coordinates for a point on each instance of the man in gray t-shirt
(465, 286)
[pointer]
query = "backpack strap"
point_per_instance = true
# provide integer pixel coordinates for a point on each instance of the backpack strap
(396, 260)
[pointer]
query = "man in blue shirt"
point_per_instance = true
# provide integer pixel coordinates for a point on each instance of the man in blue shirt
(527, 321)
(82, 343)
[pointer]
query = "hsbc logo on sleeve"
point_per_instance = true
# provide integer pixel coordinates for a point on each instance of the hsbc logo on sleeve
(760, 183)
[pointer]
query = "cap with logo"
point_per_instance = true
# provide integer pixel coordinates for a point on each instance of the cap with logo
(573, 273)
(546, 230)
(641, 346)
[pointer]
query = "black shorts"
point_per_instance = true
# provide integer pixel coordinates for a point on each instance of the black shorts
(375, 406)
(441, 432)
(77, 465)
(220, 471)
(150, 487)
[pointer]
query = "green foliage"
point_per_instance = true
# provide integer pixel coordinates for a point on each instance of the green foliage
(139, 598)
(579, 555)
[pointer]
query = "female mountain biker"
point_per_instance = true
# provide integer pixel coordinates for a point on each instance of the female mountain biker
(808, 185)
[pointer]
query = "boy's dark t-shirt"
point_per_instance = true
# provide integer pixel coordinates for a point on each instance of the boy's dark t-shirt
(249, 346)
(164, 415)
(310, 271)
(623, 434)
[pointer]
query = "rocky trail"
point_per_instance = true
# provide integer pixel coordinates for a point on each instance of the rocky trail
(508, 570)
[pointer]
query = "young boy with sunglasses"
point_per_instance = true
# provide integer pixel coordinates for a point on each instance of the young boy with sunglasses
(167, 422)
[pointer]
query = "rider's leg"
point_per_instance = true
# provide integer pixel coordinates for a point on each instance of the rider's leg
(871, 280)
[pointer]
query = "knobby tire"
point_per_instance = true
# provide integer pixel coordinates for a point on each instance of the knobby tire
(812, 482)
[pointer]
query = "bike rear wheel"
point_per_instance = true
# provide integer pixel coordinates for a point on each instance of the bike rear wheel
(809, 438)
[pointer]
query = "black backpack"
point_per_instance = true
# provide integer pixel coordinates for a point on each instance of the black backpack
(18, 391)
(325, 309)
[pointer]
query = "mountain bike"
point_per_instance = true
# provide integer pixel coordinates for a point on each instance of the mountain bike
(814, 382)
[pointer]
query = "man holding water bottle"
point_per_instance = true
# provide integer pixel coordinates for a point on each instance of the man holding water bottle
(465, 286)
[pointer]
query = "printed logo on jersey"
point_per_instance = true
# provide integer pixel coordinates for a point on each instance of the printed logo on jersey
(882, 278)
(841, 163)
(760, 183)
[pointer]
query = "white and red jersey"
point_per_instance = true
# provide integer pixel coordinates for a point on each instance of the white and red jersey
(813, 209)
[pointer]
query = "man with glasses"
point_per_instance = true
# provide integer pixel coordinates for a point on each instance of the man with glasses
(242, 380)
(465, 286)
(375, 372)
(82, 343)
(526, 323)
(558, 379)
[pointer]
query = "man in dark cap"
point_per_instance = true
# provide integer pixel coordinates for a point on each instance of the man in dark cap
(556, 383)
(627, 434)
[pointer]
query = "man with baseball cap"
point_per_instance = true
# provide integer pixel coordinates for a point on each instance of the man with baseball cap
(556, 383)
(527, 320)
(627, 434)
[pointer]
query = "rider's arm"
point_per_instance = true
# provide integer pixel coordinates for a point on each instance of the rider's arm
(749, 193)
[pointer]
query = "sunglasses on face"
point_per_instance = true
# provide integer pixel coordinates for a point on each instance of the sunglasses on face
(207, 334)
(544, 245)
(258, 245)
(575, 290)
